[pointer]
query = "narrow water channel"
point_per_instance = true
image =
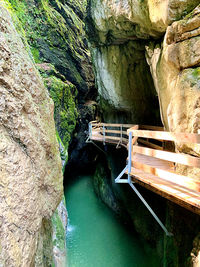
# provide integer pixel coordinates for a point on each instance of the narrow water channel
(95, 237)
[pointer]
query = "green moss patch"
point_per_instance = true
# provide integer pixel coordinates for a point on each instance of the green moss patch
(64, 95)
(59, 238)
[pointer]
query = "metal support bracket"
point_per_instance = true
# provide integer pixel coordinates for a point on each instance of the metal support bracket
(119, 180)
(150, 210)
(88, 140)
(118, 145)
(90, 130)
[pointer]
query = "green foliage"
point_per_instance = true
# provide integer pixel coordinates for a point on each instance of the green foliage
(26, 25)
(20, 10)
(59, 240)
(36, 54)
(43, 19)
(63, 151)
(63, 95)
(196, 73)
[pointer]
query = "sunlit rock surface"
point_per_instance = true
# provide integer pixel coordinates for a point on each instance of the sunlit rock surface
(176, 73)
(118, 21)
(31, 175)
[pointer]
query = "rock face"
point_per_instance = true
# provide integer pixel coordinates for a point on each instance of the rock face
(54, 31)
(176, 74)
(121, 86)
(123, 78)
(31, 175)
(119, 21)
(169, 31)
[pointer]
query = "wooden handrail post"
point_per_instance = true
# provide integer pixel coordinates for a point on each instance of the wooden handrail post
(121, 133)
(104, 135)
(129, 155)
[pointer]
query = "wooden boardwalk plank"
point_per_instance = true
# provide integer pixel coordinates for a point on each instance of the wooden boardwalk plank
(113, 141)
(170, 156)
(174, 192)
(149, 144)
(150, 127)
(164, 170)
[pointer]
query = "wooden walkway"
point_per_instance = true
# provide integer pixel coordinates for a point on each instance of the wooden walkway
(151, 164)
(109, 133)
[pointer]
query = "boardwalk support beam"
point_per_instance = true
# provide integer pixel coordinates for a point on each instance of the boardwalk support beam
(119, 180)
(150, 210)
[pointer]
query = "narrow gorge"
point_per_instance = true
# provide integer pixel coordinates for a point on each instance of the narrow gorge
(65, 63)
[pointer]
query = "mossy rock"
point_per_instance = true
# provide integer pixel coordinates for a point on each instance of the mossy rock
(64, 95)
(59, 238)
(54, 31)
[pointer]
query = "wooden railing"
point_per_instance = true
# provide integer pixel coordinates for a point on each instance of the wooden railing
(152, 164)
(112, 133)
(149, 162)
(156, 169)
(115, 133)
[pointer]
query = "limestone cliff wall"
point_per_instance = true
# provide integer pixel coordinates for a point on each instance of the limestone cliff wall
(54, 37)
(54, 31)
(175, 69)
(30, 170)
(119, 21)
(120, 33)
(124, 83)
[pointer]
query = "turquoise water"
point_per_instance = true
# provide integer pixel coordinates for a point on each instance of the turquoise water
(95, 237)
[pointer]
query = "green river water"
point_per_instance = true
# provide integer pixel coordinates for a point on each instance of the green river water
(95, 237)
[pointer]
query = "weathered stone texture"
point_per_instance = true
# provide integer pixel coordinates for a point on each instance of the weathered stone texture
(120, 84)
(122, 20)
(30, 170)
(176, 73)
